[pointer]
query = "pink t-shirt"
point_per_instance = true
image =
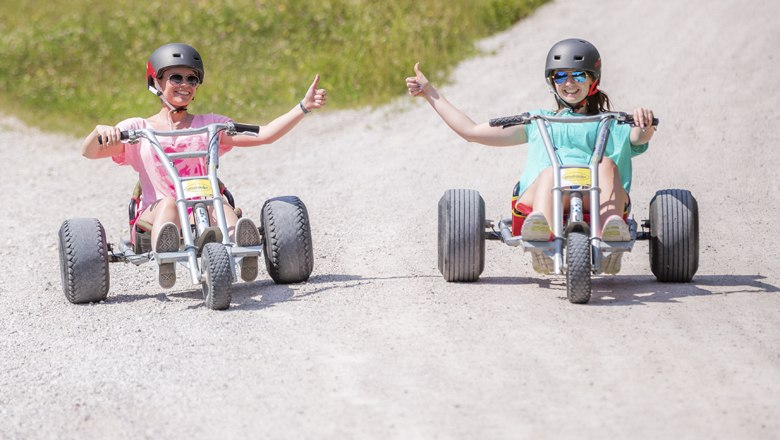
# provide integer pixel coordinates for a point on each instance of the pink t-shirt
(155, 183)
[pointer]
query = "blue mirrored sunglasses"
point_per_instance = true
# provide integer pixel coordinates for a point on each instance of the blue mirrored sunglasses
(560, 76)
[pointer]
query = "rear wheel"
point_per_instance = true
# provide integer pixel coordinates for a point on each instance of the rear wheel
(461, 235)
(674, 236)
(287, 245)
(216, 287)
(83, 260)
(578, 267)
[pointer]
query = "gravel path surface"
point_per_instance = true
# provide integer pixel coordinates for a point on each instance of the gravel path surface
(377, 344)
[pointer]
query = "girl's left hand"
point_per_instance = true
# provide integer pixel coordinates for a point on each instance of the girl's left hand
(315, 98)
(643, 118)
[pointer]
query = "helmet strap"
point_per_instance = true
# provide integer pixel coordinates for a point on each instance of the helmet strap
(594, 88)
(563, 103)
(157, 90)
(573, 107)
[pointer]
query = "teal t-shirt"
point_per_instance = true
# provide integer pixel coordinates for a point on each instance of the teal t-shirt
(575, 144)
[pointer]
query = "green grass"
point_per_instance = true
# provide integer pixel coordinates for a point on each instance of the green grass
(70, 64)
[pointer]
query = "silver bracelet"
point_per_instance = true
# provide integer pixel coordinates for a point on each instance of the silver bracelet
(303, 108)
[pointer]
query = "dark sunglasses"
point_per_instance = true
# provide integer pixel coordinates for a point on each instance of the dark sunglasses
(560, 77)
(177, 79)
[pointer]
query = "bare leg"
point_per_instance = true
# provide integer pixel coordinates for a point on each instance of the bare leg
(539, 194)
(613, 197)
(161, 212)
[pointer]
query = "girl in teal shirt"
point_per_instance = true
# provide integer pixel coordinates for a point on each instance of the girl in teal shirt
(572, 71)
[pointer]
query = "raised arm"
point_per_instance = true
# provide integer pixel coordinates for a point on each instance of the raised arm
(315, 98)
(458, 121)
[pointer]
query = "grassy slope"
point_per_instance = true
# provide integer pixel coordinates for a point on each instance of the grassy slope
(69, 64)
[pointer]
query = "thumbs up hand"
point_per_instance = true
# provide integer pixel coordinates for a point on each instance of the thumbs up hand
(416, 84)
(315, 98)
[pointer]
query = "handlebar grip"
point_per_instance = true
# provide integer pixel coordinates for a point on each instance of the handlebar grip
(509, 121)
(630, 120)
(123, 136)
(246, 128)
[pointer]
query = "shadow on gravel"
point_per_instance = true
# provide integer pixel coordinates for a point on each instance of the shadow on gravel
(544, 283)
(245, 295)
(632, 290)
(262, 294)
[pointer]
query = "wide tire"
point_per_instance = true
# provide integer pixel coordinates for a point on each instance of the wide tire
(83, 260)
(287, 245)
(461, 235)
(216, 288)
(578, 268)
(674, 236)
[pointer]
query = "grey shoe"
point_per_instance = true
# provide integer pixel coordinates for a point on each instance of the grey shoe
(246, 234)
(167, 241)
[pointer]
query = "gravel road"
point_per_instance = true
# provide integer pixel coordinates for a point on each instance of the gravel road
(377, 344)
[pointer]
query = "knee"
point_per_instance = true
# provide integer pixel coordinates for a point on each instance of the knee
(607, 163)
(545, 174)
(608, 168)
(544, 181)
(168, 201)
(166, 204)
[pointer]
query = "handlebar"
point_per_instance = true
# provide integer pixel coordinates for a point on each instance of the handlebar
(245, 128)
(526, 118)
(511, 121)
(230, 128)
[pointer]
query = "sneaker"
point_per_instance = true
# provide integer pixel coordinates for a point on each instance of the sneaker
(611, 265)
(615, 230)
(167, 241)
(212, 234)
(536, 228)
(246, 234)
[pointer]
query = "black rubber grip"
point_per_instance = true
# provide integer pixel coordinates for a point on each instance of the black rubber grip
(630, 120)
(244, 128)
(123, 136)
(509, 121)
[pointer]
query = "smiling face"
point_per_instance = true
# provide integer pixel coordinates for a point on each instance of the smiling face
(574, 86)
(178, 91)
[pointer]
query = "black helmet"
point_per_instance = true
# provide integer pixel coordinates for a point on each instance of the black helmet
(173, 55)
(574, 53)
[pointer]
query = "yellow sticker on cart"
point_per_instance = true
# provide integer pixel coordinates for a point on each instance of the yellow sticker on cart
(197, 188)
(576, 177)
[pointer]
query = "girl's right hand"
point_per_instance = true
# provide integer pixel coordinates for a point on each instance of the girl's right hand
(108, 134)
(416, 84)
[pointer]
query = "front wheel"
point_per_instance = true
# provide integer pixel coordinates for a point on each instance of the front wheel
(216, 286)
(674, 236)
(287, 245)
(83, 260)
(461, 235)
(578, 268)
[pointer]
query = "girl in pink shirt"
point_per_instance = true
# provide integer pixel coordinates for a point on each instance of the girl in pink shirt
(174, 72)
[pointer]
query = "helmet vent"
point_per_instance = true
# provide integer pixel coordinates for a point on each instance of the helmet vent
(578, 58)
(177, 55)
(557, 57)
